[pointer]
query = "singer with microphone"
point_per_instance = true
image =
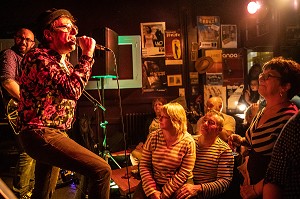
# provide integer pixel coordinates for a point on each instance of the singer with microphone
(49, 88)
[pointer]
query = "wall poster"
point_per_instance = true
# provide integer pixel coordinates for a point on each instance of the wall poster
(208, 31)
(229, 36)
(174, 80)
(154, 74)
(153, 39)
(173, 48)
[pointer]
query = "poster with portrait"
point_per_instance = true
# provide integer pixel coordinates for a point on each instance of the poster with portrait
(153, 39)
(173, 47)
(154, 74)
(229, 36)
(208, 31)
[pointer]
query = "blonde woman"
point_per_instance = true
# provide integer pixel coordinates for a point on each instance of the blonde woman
(168, 155)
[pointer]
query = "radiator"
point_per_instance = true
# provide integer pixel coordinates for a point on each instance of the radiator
(136, 126)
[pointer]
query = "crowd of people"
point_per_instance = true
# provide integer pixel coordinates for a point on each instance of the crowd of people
(172, 162)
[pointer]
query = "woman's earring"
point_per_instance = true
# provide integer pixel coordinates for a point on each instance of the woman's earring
(280, 93)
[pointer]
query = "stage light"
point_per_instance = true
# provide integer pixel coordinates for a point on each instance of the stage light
(253, 6)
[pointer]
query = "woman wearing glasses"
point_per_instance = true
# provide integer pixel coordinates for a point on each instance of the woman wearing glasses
(278, 83)
(50, 87)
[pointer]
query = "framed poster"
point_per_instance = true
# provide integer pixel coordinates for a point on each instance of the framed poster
(208, 31)
(173, 47)
(174, 80)
(154, 74)
(153, 39)
(229, 36)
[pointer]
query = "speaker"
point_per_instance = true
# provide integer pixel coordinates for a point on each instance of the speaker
(105, 60)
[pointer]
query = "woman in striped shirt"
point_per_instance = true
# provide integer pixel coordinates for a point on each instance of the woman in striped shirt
(278, 83)
(214, 161)
(168, 155)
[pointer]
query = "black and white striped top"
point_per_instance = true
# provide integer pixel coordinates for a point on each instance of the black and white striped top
(213, 168)
(262, 138)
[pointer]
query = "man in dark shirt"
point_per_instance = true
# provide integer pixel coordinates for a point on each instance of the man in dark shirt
(10, 64)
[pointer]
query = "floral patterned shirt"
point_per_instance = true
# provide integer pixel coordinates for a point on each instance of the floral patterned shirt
(49, 89)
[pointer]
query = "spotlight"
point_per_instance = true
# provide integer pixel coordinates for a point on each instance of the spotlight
(253, 6)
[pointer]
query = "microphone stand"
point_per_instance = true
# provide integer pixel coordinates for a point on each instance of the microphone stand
(106, 153)
(93, 100)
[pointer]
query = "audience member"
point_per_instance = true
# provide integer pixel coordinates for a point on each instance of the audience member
(216, 103)
(49, 89)
(283, 175)
(251, 94)
(278, 83)
(214, 164)
(157, 104)
(10, 66)
(168, 155)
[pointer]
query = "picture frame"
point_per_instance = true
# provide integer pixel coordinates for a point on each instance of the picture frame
(229, 36)
(174, 80)
(153, 39)
(136, 82)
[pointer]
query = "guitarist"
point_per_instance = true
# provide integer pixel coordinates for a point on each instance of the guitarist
(10, 61)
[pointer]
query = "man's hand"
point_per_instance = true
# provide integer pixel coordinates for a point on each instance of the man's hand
(87, 45)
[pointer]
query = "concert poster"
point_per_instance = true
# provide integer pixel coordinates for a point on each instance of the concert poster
(154, 74)
(208, 31)
(229, 36)
(173, 47)
(153, 39)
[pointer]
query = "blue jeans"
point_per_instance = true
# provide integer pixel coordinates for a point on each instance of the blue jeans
(24, 173)
(52, 147)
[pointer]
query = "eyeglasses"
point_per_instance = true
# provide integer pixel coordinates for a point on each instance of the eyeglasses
(20, 38)
(67, 28)
(267, 76)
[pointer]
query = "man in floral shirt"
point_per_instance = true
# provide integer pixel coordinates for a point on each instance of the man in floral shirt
(50, 87)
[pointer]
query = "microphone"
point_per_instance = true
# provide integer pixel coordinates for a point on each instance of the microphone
(97, 47)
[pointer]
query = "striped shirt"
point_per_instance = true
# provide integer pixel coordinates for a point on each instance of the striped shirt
(262, 138)
(213, 168)
(166, 167)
